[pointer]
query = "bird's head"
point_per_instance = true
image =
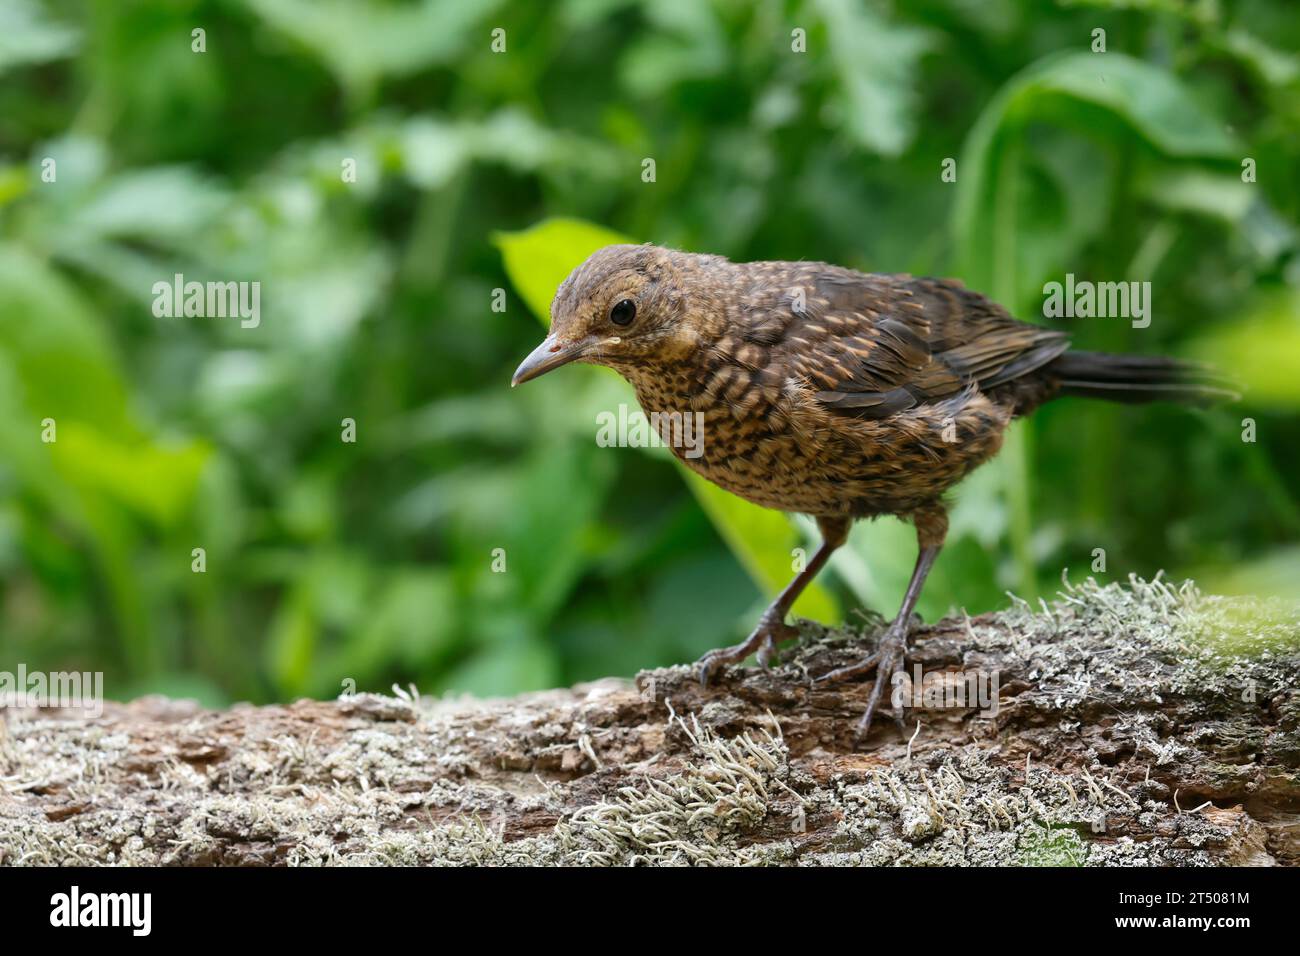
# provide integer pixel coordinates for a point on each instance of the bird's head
(625, 307)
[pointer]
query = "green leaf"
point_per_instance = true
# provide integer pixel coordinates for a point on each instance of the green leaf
(68, 373)
(876, 60)
(154, 481)
(763, 542)
(162, 203)
(397, 614)
(363, 42)
(57, 364)
(1149, 100)
(291, 640)
(1259, 349)
(538, 260)
(1274, 66)
(1009, 232)
(686, 42)
(26, 36)
(1199, 191)
(65, 362)
(432, 151)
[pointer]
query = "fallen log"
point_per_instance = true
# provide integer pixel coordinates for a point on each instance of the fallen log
(1138, 725)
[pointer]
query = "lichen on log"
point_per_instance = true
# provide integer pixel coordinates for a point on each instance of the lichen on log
(1138, 725)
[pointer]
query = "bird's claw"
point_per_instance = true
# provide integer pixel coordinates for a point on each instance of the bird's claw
(763, 641)
(888, 659)
(768, 654)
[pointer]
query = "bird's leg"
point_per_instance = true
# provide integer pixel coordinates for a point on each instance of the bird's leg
(891, 650)
(771, 626)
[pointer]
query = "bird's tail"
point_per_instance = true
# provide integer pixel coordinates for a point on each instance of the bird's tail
(1140, 378)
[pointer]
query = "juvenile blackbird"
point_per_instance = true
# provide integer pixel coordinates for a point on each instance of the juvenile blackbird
(830, 392)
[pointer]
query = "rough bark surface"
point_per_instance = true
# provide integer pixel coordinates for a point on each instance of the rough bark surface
(1135, 725)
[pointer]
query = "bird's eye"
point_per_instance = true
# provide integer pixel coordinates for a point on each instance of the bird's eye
(623, 313)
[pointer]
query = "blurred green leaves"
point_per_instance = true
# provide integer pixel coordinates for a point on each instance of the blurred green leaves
(363, 42)
(1037, 184)
(74, 445)
(877, 63)
(1261, 347)
(374, 561)
(996, 195)
(29, 35)
(152, 480)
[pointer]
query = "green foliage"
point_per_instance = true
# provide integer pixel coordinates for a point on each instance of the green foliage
(27, 35)
(876, 65)
(1261, 345)
(330, 561)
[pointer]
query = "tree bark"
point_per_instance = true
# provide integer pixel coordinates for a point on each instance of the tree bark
(1132, 726)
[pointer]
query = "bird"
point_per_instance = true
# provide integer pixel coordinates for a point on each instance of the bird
(833, 393)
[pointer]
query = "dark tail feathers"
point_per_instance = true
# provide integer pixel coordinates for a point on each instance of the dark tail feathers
(1140, 378)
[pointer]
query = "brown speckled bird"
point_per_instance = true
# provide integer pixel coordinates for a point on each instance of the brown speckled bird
(830, 392)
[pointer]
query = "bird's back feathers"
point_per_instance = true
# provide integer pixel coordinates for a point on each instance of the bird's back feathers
(876, 345)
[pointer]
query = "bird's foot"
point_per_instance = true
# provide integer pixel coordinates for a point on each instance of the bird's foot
(763, 641)
(888, 660)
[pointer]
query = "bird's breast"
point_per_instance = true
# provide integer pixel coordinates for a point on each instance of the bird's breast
(754, 441)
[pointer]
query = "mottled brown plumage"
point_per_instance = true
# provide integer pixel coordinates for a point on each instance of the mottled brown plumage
(827, 391)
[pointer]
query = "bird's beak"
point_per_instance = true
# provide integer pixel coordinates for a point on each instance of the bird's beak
(550, 354)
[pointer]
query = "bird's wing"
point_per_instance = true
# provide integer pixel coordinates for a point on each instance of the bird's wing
(875, 345)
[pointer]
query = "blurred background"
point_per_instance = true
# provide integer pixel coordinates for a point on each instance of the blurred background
(479, 169)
